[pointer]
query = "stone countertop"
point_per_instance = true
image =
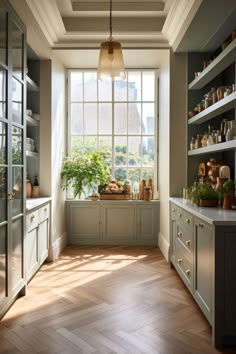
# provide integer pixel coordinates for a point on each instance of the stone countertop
(213, 216)
(32, 203)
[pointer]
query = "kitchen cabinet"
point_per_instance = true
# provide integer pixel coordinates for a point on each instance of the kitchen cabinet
(210, 259)
(112, 222)
(12, 157)
(37, 237)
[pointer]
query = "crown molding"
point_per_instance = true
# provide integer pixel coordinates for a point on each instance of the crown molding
(178, 20)
(49, 19)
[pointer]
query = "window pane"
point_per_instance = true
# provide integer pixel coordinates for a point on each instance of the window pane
(2, 93)
(17, 146)
(3, 194)
(148, 151)
(17, 101)
(134, 144)
(105, 118)
(17, 174)
(134, 86)
(134, 118)
(148, 118)
(120, 174)
(105, 144)
(77, 143)
(147, 173)
(3, 144)
(3, 37)
(148, 86)
(90, 118)
(120, 90)
(76, 87)
(17, 51)
(104, 90)
(90, 144)
(120, 148)
(90, 86)
(134, 175)
(76, 118)
(120, 118)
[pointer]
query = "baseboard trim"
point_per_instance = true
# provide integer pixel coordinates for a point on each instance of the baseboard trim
(56, 247)
(164, 246)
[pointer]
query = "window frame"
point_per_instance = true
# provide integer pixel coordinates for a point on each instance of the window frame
(113, 135)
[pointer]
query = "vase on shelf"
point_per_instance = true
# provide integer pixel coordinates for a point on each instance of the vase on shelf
(231, 132)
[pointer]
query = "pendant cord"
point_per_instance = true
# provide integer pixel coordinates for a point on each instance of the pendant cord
(111, 19)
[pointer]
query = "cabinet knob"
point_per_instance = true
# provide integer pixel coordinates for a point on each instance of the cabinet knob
(187, 220)
(180, 215)
(179, 260)
(179, 234)
(187, 271)
(200, 225)
(188, 242)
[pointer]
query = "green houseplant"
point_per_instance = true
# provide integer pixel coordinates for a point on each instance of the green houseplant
(203, 194)
(84, 171)
(228, 191)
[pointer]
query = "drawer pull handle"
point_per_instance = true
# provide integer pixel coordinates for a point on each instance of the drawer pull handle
(180, 215)
(200, 225)
(32, 218)
(188, 242)
(187, 271)
(179, 260)
(179, 234)
(187, 221)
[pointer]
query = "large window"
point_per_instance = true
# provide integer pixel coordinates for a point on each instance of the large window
(119, 117)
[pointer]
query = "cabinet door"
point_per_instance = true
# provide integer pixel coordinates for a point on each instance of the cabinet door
(203, 291)
(118, 223)
(43, 240)
(147, 224)
(31, 253)
(83, 222)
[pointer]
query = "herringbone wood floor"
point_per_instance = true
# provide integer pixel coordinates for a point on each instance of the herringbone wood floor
(101, 300)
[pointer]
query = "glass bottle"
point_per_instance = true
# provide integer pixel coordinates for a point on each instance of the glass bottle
(231, 132)
(192, 144)
(35, 189)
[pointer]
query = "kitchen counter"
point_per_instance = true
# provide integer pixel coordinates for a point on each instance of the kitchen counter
(213, 216)
(32, 203)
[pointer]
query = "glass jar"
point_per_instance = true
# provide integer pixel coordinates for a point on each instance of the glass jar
(231, 132)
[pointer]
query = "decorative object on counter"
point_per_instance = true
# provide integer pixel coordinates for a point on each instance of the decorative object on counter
(114, 190)
(203, 194)
(219, 189)
(150, 184)
(147, 195)
(228, 191)
(213, 170)
(28, 188)
(135, 194)
(87, 170)
(35, 189)
(231, 132)
(141, 189)
(224, 171)
(94, 197)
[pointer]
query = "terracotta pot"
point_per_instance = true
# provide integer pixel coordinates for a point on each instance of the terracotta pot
(228, 201)
(208, 202)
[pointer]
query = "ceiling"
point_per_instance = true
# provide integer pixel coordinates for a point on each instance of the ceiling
(136, 23)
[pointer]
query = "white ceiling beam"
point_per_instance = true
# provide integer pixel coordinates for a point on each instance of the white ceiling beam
(120, 25)
(146, 6)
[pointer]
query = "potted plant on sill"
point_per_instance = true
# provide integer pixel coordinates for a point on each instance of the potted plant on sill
(228, 191)
(84, 171)
(204, 195)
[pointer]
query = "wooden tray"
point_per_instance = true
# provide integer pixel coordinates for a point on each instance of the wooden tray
(115, 196)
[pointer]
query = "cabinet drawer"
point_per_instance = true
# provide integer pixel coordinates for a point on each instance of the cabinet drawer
(44, 212)
(32, 220)
(185, 237)
(184, 265)
(185, 218)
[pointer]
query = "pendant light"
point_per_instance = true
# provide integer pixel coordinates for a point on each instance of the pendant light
(111, 62)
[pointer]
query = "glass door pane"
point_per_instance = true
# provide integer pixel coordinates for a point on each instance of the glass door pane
(17, 202)
(3, 257)
(2, 92)
(17, 51)
(17, 252)
(3, 36)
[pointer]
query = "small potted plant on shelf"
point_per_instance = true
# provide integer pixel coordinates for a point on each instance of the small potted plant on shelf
(84, 171)
(203, 194)
(228, 191)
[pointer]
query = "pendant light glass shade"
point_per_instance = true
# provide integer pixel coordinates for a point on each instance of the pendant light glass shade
(111, 62)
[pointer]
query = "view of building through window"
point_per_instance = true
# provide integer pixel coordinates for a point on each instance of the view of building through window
(118, 117)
